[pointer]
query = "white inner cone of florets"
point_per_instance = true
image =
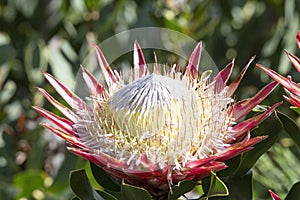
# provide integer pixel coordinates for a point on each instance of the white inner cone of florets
(169, 120)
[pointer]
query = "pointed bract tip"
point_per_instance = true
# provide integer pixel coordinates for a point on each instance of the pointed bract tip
(192, 68)
(199, 44)
(273, 195)
(234, 84)
(294, 60)
(223, 76)
(198, 49)
(260, 66)
(46, 74)
(35, 107)
(108, 74)
(138, 54)
(137, 46)
(140, 68)
(251, 59)
(286, 51)
(265, 69)
(136, 43)
(40, 89)
(94, 45)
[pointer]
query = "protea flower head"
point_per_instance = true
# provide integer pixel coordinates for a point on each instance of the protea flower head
(292, 89)
(163, 126)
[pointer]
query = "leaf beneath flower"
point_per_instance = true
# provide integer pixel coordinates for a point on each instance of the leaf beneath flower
(82, 187)
(294, 193)
(296, 109)
(216, 187)
(134, 193)
(290, 127)
(241, 187)
(103, 179)
(180, 189)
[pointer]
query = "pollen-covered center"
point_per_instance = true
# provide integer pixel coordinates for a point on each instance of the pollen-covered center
(166, 119)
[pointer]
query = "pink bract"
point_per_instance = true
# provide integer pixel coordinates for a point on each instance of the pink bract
(292, 89)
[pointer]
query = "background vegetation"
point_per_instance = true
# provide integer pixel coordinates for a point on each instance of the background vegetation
(56, 36)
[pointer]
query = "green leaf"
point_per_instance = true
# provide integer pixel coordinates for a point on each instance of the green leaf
(6, 50)
(232, 164)
(134, 193)
(4, 71)
(290, 127)
(241, 188)
(60, 65)
(8, 91)
(28, 181)
(180, 189)
(296, 109)
(36, 59)
(106, 181)
(199, 190)
(294, 193)
(107, 196)
(216, 187)
(81, 186)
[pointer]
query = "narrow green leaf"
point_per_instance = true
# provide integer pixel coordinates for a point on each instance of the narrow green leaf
(180, 189)
(134, 193)
(217, 187)
(294, 193)
(81, 186)
(199, 189)
(8, 91)
(296, 109)
(106, 181)
(290, 127)
(4, 70)
(36, 60)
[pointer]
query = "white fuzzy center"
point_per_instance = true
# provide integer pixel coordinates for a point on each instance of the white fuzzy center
(169, 120)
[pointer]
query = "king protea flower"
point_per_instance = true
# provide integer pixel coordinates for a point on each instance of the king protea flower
(292, 89)
(163, 126)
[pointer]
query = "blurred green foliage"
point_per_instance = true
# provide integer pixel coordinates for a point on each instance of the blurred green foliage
(56, 36)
